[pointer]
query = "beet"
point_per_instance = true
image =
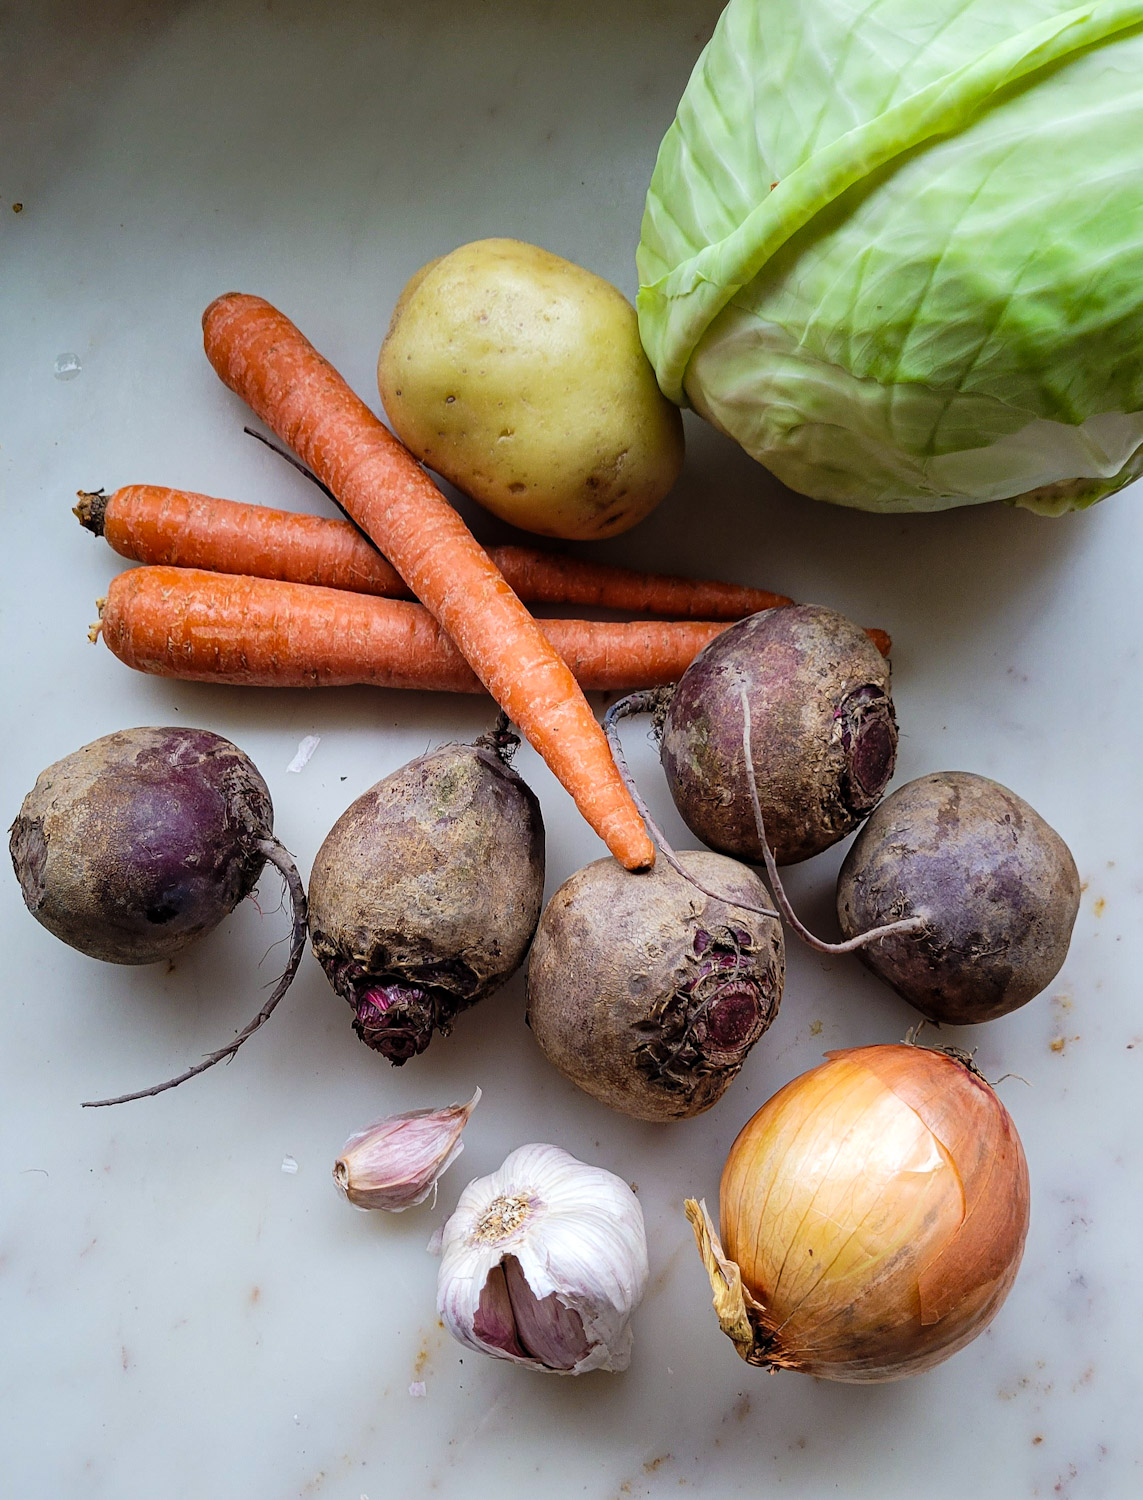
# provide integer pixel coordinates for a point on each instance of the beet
(426, 893)
(137, 844)
(824, 741)
(648, 993)
(142, 841)
(997, 888)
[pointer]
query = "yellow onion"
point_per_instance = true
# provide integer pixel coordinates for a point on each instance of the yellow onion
(873, 1216)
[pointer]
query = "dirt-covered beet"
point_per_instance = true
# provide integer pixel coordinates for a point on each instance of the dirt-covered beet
(141, 841)
(647, 993)
(823, 729)
(426, 893)
(997, 888)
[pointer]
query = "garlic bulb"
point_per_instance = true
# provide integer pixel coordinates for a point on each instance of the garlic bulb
(543, 1263)
(398, 1162)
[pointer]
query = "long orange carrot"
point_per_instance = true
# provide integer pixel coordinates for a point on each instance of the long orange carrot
(262, 357)
(153, 524)
(258, 632)
(150, 523)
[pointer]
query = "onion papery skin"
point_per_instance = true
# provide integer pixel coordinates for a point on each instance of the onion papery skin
(877, 1207)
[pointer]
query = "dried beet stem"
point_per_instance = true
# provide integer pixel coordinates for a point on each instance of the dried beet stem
(654, 701)
(312, 477)
(851, 945)
(277, 856)
(501, 739)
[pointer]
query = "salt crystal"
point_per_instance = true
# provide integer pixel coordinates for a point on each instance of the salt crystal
(417, 1388)
(289, 1165)
(67, 367)
(304, 751)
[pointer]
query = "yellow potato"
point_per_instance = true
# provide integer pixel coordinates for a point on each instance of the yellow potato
(520, 377)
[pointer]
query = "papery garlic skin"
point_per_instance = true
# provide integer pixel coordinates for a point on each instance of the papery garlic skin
(397, 1162)
(543, 1263)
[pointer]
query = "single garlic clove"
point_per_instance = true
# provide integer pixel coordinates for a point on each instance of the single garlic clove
(494, 1322)
(398, 1162)
(553, 1332)
(543, 1263)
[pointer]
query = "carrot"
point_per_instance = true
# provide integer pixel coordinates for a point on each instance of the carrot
(153, 524)
(181, 529)
(258, 632)
(263, 358)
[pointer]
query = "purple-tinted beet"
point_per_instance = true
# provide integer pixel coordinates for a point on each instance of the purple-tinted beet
(997, 888)
(142, 841)
(647, 993)
(426, 893)
(824, 736)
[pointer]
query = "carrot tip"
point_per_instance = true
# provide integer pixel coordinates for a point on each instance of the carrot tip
(641, 858)
(639, 867)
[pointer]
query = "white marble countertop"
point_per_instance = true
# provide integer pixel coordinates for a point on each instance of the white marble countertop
(182, 1315)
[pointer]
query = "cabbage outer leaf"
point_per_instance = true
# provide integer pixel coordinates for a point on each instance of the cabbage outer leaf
(896, 250)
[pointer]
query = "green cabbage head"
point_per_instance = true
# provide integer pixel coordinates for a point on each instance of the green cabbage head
(895, 248)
